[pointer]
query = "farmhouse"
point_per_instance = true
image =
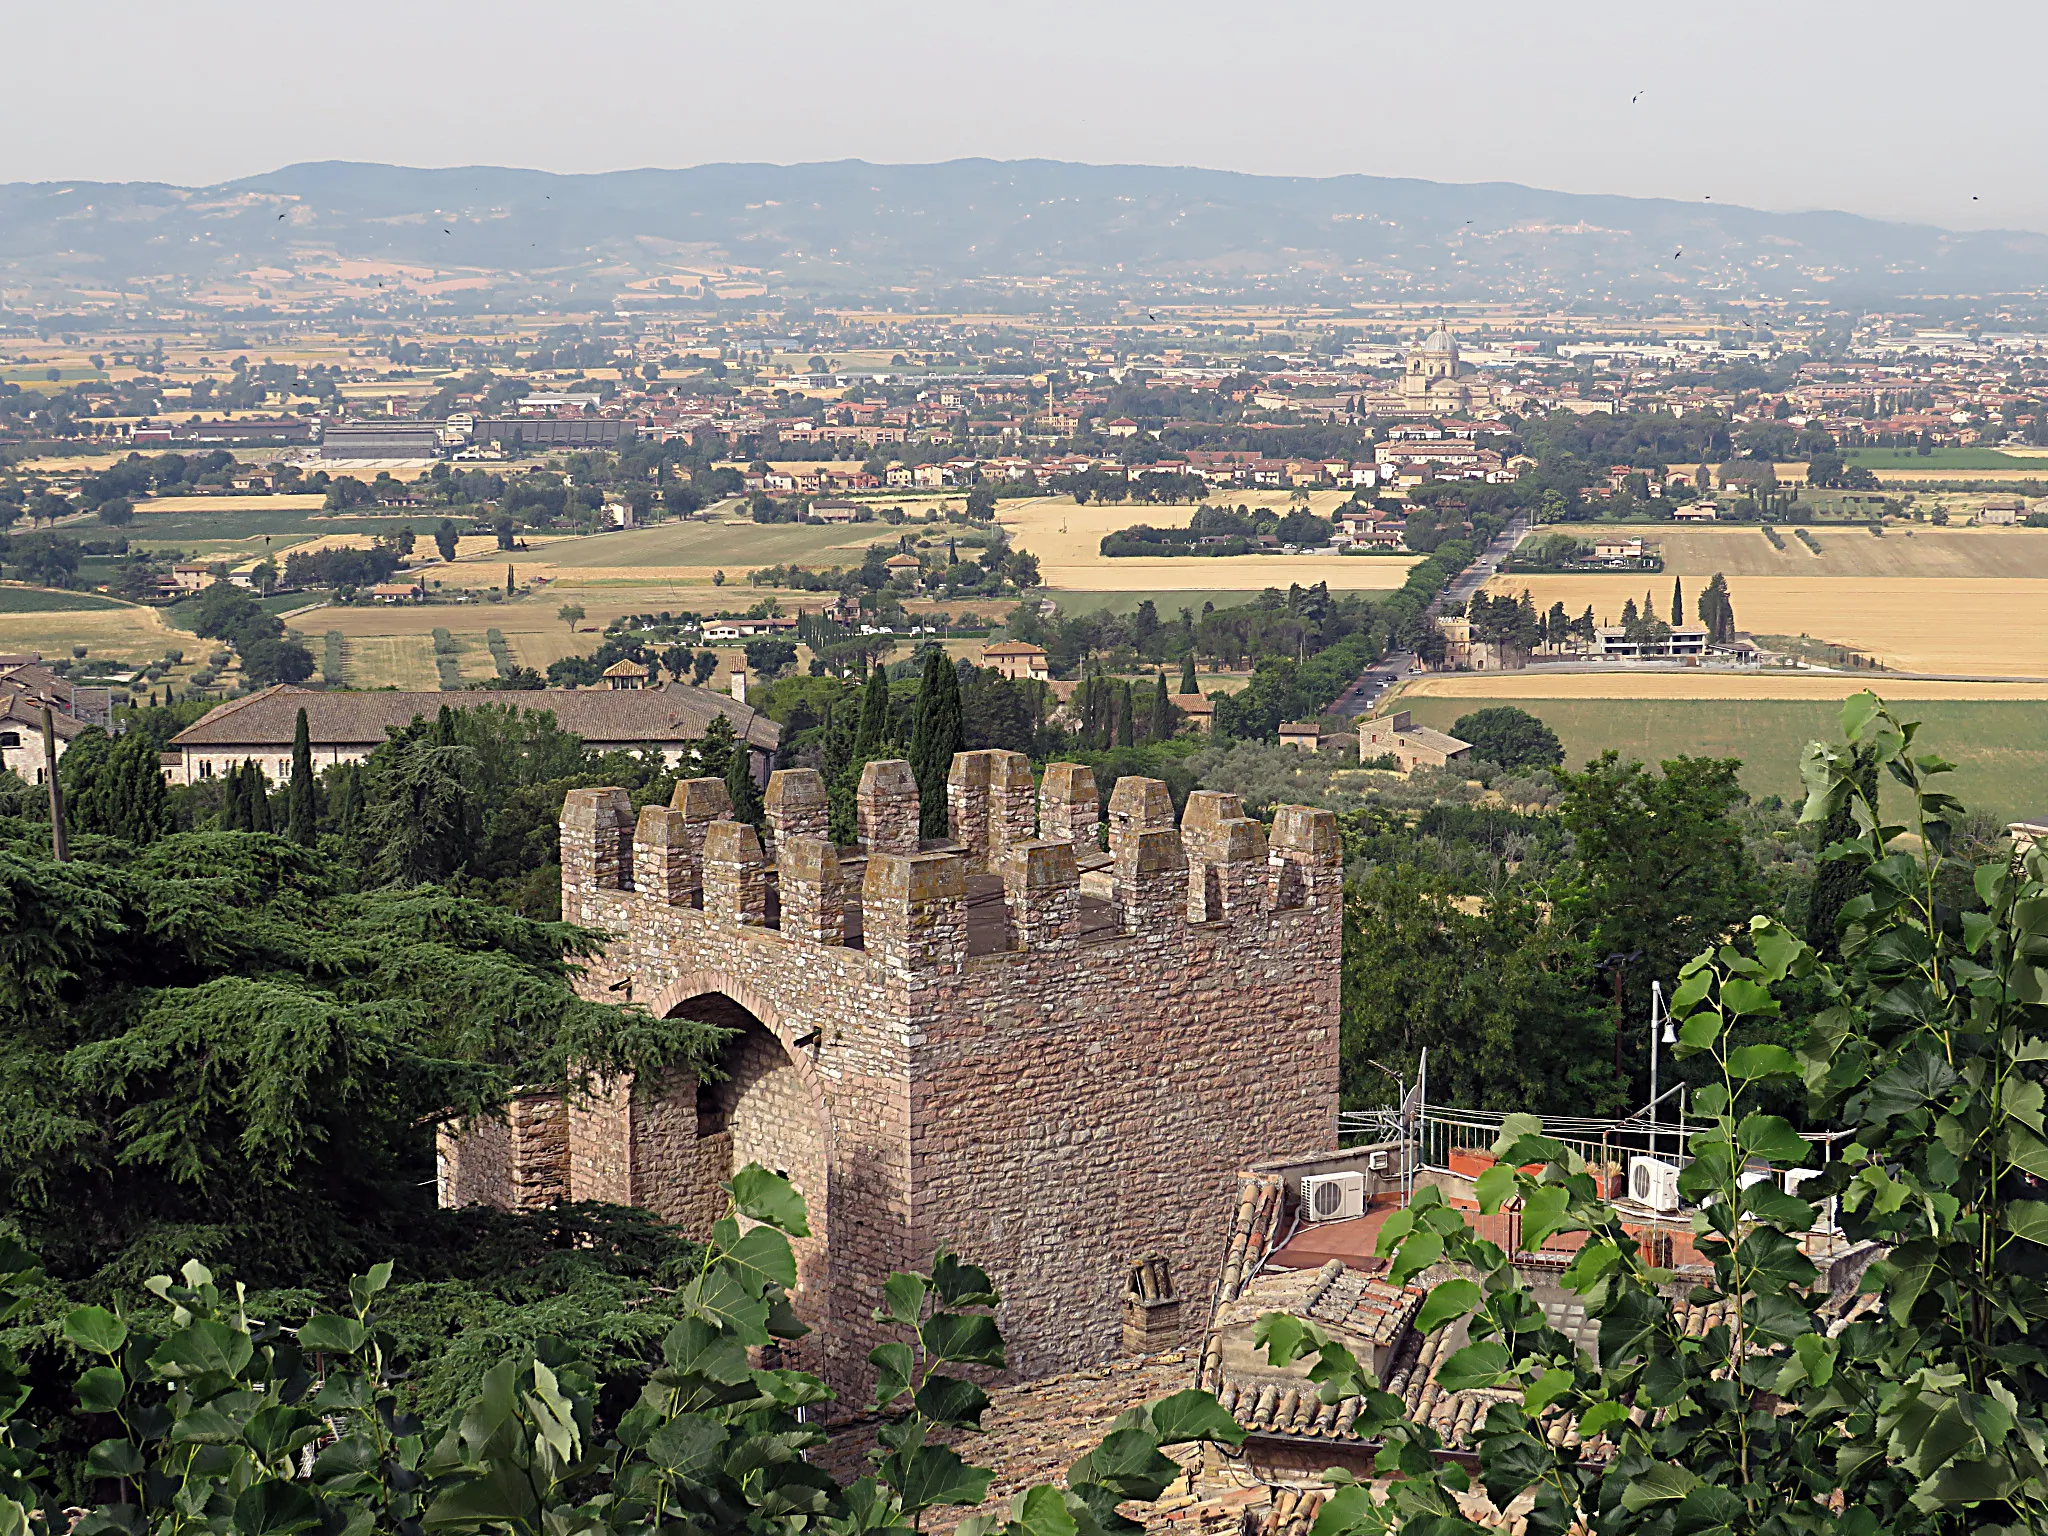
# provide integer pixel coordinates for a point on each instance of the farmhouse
(1615, 547)
(2003, 513)
(1018, 661)
(1410, 745)
(347, 727)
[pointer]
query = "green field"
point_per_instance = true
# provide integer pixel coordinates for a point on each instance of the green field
(221, 531)
(184, 612)
(1942, 458)
(45, 600)
(2000, 749)
(734, 546)
(1169, 604)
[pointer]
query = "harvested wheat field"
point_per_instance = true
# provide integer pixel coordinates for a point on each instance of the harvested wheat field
(1988, 627)
(157, 506)
(1851, 550)
(1068, 542)
(1536, 683)
(135, 634)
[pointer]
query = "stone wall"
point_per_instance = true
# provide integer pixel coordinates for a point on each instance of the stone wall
(1049, 1084)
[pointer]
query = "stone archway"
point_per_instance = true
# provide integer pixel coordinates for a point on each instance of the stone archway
(767, 1105)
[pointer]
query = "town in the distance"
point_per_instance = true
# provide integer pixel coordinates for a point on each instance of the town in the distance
(1200, 901)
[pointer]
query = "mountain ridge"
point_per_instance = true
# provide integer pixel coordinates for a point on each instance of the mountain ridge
(852, 225)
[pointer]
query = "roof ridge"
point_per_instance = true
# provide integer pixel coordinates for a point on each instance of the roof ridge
(235, 706)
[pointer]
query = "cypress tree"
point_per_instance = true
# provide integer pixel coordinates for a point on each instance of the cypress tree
(510, 589)
(233, 808)
(140, 803)
(257, 789)
(302, 810)
(939, 733)
(1187, 674)
(1677, 602)
(444, 727)
(348, 802)
(740, 787)
(1162, 711)
(873, 732)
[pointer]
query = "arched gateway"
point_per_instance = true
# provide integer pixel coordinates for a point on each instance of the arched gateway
(1048, 1058)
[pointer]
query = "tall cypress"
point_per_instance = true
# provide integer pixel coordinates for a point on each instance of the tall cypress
(257, 789)
(1187, 674)
(1677, 602)
(873, 732)
(301, 808)
(939, 733)
(740, 787)
(1162, 711)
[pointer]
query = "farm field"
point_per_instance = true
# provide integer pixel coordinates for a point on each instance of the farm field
(1881, 459)
(1067, 538)
(136, 634)
(203, 527)
(1995, 627)
(2000, 748)
(45, 600)
(1851, 550)
(171, 506)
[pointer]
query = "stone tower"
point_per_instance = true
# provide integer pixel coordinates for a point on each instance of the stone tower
(1047, 1055)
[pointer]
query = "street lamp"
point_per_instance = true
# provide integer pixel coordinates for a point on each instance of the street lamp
(1667, 1035)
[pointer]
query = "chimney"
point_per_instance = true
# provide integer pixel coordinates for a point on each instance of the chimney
(739, 683)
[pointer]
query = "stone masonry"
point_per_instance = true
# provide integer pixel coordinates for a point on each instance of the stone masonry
(1049, 1059)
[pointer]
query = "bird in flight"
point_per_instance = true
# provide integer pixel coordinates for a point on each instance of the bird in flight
(280, 215)
(1635, 98)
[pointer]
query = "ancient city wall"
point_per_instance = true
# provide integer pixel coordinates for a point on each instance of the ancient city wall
(1049, 1058)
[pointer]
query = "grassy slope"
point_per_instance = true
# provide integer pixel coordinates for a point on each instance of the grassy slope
(47, 600)
(2000, 749)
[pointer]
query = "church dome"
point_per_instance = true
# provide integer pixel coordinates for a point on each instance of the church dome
(1440, 340)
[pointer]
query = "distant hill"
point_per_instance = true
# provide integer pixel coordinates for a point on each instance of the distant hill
(848, 227)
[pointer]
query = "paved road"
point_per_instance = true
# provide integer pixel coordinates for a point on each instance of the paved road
(1364, 695)
(1476, 575)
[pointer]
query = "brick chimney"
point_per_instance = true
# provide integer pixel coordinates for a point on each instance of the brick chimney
(739, 683)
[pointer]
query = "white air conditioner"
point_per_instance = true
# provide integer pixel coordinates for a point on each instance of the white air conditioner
(1653, 1182)
(1332, 1196)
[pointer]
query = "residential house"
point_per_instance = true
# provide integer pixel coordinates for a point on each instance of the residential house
(347, 727)
(1018, 661)
(1412, 746)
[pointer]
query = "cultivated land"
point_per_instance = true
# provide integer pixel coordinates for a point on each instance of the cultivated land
(1067, 539)
(2000, 748)
(1850, 550)
(1985, 627)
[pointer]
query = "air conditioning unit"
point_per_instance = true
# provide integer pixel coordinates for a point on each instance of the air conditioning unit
(1653, 1182)
(1379, 1162)
(1332, 1196)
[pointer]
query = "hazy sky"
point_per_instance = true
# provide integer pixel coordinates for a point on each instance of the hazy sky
(1877, 107)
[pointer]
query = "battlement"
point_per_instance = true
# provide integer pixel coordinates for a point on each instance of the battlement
(1049, 1039)
(1024, 869)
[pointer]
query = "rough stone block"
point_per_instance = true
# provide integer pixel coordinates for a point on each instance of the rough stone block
(967, 806)
(913, 910)
(796, 805)
(1069, 808)
(1149, 867)
(813, 902)
(735, 873)
(1041, 893)
(597, 839)
(886, 807)
(664, 860)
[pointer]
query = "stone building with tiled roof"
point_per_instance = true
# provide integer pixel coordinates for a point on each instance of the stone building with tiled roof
(347, 727)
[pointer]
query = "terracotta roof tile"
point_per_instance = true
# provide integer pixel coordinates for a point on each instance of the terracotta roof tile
(604, 717)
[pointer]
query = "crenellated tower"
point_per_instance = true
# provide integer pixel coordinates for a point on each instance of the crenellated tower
(1046, 1042)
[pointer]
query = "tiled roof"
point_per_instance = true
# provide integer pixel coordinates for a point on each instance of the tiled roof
(603, 717)
(24, 708)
